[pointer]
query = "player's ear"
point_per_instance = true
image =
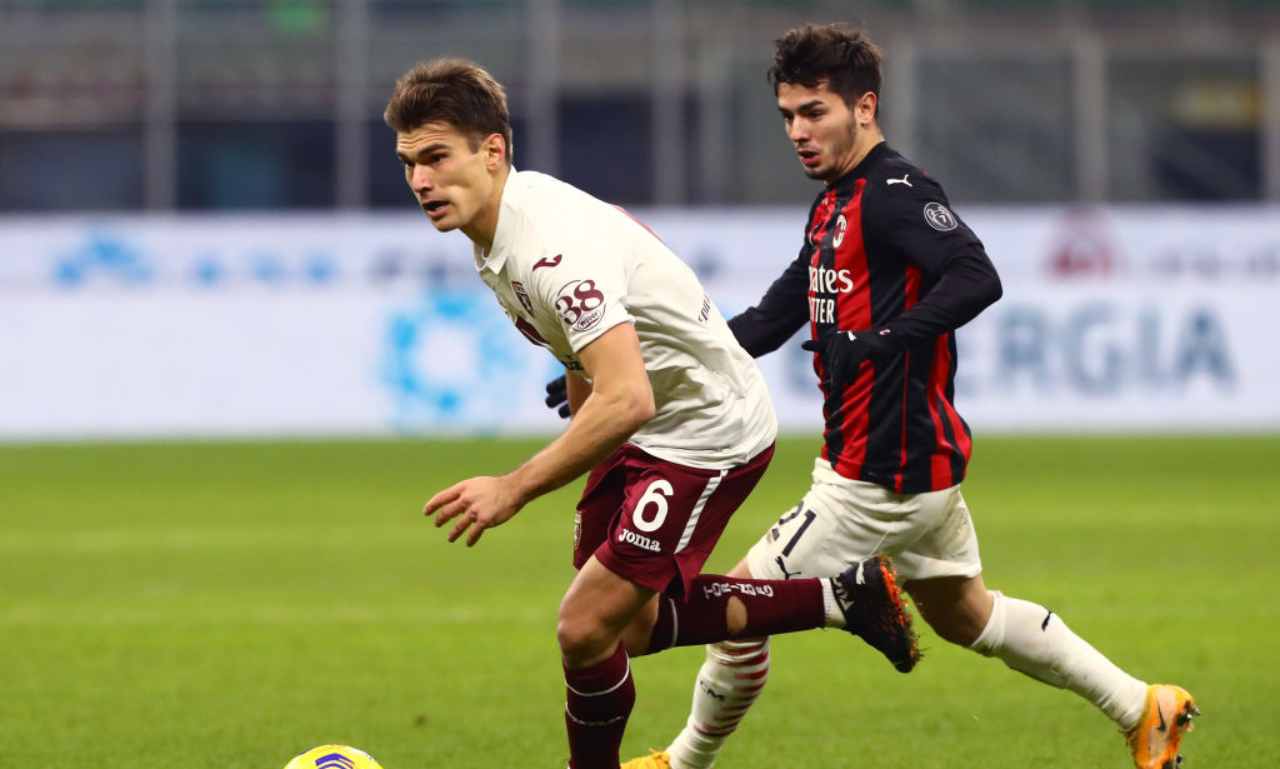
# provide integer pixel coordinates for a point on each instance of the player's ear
(865, 108)
(495, 151)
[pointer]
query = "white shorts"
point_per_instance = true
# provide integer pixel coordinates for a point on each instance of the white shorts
(841, 521)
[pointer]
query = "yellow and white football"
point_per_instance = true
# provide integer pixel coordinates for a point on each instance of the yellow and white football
(333, 757)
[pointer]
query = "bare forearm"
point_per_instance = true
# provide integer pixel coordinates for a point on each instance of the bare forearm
(601, 425)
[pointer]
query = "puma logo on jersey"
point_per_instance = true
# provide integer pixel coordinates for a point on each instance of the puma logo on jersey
(547, 262)
(903, 180)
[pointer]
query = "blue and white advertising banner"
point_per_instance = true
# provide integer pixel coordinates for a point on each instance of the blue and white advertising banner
(1113, 320)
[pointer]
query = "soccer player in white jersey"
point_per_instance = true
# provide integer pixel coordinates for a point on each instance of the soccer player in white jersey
(670, 414)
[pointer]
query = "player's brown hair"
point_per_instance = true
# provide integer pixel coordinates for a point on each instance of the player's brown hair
(454, 91)
(841, 55)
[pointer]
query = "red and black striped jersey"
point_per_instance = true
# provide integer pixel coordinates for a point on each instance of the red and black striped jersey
(883, 250)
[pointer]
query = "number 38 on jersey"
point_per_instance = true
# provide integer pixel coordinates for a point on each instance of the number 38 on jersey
(580, 304)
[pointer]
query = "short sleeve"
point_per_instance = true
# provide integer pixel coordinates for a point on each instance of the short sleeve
(586, 292)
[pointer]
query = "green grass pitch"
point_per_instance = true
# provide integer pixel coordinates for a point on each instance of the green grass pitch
(227, 605)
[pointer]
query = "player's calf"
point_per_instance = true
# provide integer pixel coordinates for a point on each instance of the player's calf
(730, 680)
(1034, 640)
(719, 608)
(864, 600)
(598, 702)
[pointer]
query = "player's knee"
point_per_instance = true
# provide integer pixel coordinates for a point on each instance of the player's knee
(582, 639)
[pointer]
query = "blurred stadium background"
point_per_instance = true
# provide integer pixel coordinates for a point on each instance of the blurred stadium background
(204, 234)
(274, 104)
(209, 186)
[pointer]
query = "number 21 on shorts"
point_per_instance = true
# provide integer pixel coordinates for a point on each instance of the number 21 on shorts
(809, 518)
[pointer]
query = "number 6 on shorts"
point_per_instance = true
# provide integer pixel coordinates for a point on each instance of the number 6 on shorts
(656, 495)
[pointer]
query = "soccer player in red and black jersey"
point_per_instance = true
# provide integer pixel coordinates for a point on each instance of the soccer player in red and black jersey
(886, 274)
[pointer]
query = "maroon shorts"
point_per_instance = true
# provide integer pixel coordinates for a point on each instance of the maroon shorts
(654, 522)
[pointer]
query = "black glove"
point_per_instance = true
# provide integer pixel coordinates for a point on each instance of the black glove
(558, 396)
(844, 351)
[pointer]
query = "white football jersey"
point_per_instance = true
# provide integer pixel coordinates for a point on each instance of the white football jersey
(567, 267)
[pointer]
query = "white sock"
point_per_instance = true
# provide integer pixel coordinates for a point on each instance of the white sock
(1033, 640)
(729, 681)
(835, 617)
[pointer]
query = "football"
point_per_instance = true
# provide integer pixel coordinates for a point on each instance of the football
(333, 757)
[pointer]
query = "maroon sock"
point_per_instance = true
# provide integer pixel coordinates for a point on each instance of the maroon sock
(773, 607)
(599, 700)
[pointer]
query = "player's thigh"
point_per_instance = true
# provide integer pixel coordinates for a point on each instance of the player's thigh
(838, 522)
(947, 548)
(602, 498)
(803, 543)
(671, 518)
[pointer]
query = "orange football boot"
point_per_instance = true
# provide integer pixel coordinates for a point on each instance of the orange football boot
(1154, 741)
(657, 759)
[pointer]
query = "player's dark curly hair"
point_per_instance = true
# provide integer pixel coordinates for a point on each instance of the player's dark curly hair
(839, 54)
(458, 92)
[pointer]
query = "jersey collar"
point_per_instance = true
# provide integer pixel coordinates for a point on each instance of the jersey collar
(504, 235)
(860, 170)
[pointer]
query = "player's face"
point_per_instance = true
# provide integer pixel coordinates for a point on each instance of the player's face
(821, 127)
(452, 182)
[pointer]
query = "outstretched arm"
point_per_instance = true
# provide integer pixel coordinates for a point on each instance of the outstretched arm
(620, 401)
